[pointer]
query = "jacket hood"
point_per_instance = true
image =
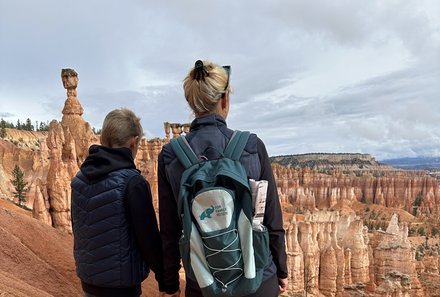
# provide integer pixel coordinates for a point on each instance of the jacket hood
(103, 160)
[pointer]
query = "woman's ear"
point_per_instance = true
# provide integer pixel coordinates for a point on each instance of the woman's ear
(224, 104)
(225, 100)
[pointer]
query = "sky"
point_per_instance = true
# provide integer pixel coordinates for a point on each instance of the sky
(319, 76)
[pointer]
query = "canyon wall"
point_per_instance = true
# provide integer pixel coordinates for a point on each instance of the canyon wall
(28, 150)
(330, 251)
(334, 255)
(310, 189)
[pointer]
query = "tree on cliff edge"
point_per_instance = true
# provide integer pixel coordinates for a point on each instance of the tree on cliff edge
(2, 132)
(20, 185)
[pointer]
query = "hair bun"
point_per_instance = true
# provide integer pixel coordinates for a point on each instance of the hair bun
(199, 70)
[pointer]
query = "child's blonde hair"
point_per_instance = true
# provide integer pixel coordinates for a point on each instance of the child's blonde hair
(119, 126)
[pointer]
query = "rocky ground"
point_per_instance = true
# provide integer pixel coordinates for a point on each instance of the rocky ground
(36, 260)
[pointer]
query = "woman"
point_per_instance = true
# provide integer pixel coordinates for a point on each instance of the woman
(207, 92)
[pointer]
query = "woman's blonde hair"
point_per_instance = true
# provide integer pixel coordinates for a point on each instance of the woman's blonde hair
(203, 92)
(119, 126)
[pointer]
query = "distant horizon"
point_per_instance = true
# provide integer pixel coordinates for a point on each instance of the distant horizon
(308, 153)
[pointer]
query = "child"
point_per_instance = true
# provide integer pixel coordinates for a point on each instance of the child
(116, 237)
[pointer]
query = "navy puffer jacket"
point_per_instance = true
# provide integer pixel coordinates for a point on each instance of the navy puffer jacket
(105, 253)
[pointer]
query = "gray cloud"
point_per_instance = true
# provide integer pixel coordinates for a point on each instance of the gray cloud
(6, 115)
(322, 76)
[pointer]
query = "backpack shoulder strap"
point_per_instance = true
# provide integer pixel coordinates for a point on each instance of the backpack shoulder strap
(184, 152)
(236, 145)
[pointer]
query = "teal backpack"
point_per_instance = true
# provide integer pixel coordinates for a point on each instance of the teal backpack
(220, 250)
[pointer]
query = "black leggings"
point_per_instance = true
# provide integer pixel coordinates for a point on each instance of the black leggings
(269, 288)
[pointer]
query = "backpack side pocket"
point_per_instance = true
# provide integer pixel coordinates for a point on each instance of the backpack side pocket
(261, 247)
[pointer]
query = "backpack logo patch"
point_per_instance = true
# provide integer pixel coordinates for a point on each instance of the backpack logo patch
(213, 209)
(207, 213)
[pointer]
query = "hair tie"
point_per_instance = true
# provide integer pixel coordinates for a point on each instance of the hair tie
(199, 71)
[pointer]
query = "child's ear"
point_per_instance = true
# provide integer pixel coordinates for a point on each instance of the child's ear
(134, 141)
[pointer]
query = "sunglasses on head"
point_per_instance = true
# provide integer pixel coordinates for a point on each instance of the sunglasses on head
(227, 68)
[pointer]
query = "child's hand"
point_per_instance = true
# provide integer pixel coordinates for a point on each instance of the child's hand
(282, 285)
(163, 294)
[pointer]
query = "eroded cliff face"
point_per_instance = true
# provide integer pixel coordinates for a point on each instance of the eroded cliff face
(68, 142)
(307, 189)
(330, 251)
(334, 255)
(146, 162)
(29, 151)
(51, 159)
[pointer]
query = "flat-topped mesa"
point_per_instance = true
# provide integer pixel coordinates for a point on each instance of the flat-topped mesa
(346, 161)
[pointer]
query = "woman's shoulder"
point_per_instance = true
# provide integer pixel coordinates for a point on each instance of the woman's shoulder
(252, 144)
(166, 155)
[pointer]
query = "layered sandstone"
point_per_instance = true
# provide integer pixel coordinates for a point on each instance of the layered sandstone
(68, 142)
(146, 162)
(330, 252)
(29, 151)
(323, 263)
(310, 189)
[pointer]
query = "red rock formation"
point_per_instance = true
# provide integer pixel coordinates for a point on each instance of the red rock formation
(295, 259)
(392, 252)
(28, 150)
(146, 162)
(308, 189)
(329, 251)
(329, 265)
(310, 249)
(325, 264)
(354, 240)
(41, 205)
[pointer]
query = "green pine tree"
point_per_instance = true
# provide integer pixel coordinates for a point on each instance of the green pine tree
(2, 132)
(20, 185)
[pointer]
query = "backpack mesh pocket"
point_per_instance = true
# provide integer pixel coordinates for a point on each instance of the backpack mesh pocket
(213, 210)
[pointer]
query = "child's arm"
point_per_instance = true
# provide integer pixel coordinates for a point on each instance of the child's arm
(143, 218)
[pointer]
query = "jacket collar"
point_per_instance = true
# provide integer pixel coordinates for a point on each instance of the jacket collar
(208, 120)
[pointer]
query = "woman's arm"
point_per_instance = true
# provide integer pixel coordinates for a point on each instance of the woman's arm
(273, 217)
(170, 229)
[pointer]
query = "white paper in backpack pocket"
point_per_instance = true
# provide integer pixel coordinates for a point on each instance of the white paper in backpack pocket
(259, 194)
